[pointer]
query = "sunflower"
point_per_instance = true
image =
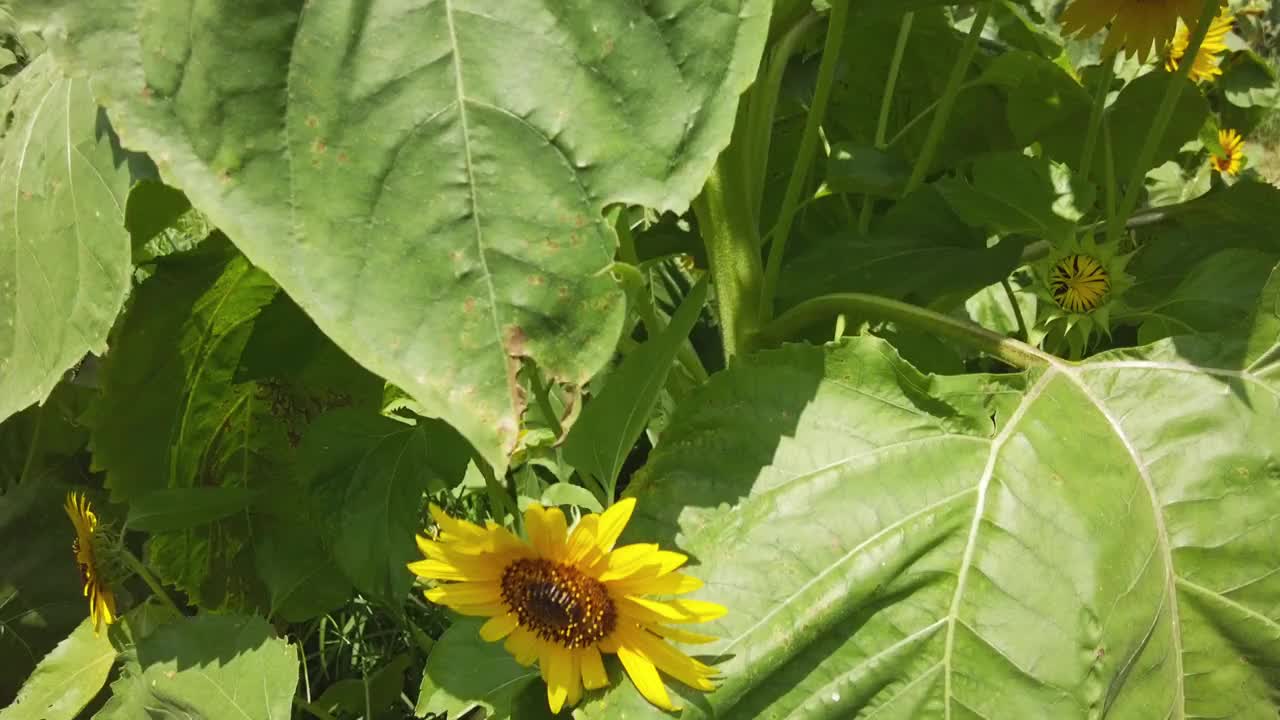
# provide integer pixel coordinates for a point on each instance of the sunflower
(1137, 26)
(563, 598)
(1232, 159)
(1084, 282)
(1079, 283)
(1215, 43)
(102, 602)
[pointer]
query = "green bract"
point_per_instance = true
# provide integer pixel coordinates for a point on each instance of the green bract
(936, 370)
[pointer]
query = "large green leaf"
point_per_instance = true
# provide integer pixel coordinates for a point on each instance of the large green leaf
(209, 667)
(66, 679)
(426, 177)
(465, 672)
(64, 252)
(1077, 541)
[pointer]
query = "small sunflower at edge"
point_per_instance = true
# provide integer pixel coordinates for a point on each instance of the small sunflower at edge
(1205, 66)
(1084, 280)
(563, 598)
(1232, 158)
(1137, 26)
(102, 601)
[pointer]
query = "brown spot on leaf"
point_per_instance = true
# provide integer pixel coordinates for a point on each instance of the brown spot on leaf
(313, 121)
(537, 280)
(552, 245)
(563, 292)
(319, 146)
(469, 305)
(343, 157)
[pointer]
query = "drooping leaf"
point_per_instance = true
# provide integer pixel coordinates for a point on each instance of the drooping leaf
(389, 132)
(64, 252)
(612, 422)
(211, 666)
(465, 672)
(1013, 193)
(66, 679)
(1082, 538)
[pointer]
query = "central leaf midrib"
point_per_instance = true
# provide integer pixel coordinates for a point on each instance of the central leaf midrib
(461, 99)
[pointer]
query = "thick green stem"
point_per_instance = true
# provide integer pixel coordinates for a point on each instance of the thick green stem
(790, 324)
(886, 104)
(836, 27)
(763, 100)
(1095, 117)
(1177, 81)
(141, 570)
(543, 395)
(733, 252)
(948, 101)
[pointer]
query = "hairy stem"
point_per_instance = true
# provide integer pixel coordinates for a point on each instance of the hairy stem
(1171, 95)
(733, 252)
(143, 572)
(948, 101)
(808, 145)
(1095, 116)
(791, 323)
(886, 103)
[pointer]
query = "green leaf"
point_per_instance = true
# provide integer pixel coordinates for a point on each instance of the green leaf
(184, 508)
(152, 208)
(563, 493)
(40, 589)
(66, 679)
(1093, 537)
(613, 421)
(465, 672)
(377, 691)
(374, 471)
(519, 120)
(1012, 193)
(866, 170)
(211, 666)
(1219, 292)
(294, 562)
(1129, 120)
(64, 252)
(921, 251)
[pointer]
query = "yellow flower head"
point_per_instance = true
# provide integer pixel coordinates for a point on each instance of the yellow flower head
(1205, 66)
(1137, 26)
(1079, 283)
(1232, 159)
(563, 598)
(102, 602)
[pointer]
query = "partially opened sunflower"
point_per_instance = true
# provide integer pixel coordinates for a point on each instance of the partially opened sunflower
(563, 598)
(102, 601)
(1205, 66)
(1137, 26)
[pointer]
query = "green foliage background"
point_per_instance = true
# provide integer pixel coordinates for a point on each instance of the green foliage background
(275, 275)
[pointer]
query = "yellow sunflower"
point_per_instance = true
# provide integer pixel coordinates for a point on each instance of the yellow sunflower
(1232, 159)
(1079, 283)
(102, 602)
(1215, 43)
(1137, 26)
(563, 598)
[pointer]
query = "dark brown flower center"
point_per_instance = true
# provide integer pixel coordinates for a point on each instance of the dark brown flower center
(558, 603)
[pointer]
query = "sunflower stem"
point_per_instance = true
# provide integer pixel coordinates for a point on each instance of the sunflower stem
(886, 103)
(543, 395)
(1023, 334)
(733, 252)
(948, 100)
(791, 323)
(138, 567)
(836, 28)
(1095, 117)
(1177, 82)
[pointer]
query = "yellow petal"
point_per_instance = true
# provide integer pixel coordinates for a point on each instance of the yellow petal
(668, 659)
(627, 560)
(683, 636)
(581, 547)
(575, 678)
(644, 676)
(646, 565)
(460, 529)
(466, 593)
(557, 667)
(613, 521)
(670, 611)
(523, 646)
(499, 627)
(671, 584)
(593, 674)
(547, 530)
